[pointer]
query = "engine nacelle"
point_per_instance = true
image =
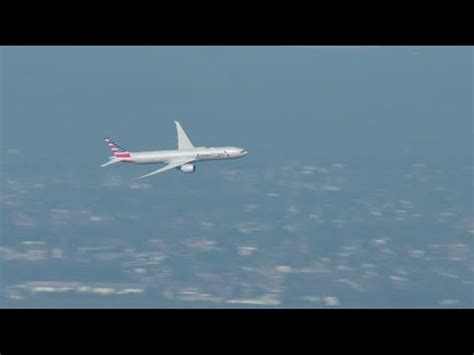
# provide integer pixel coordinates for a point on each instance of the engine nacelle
(188, 168)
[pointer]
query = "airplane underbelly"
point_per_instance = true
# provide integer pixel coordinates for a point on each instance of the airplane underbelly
(146, 159)
(158, 158)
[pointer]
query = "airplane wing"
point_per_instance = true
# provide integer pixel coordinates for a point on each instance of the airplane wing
(183, 141)
(169, 166)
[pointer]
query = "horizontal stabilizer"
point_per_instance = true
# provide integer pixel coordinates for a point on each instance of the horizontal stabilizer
(110, 162)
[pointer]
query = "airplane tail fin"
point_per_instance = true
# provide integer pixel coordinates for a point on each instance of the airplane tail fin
(183, 141)
(119, 151)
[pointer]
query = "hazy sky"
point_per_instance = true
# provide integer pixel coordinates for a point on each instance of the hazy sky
(357, 190)
(383, 103)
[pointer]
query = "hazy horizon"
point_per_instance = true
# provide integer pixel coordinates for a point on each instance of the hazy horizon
(357, 190)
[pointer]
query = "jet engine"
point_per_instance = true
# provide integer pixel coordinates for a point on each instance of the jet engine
(188, 168)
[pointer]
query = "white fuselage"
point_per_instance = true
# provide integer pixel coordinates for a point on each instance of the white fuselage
(194, 155)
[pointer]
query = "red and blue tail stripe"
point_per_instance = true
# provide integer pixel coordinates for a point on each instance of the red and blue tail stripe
(119, 151)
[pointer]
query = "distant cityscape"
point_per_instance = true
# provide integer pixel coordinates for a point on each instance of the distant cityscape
(299, 235)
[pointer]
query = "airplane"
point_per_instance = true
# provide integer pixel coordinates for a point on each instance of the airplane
(184, 158)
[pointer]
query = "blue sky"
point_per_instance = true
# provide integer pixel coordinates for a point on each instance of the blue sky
(341, 102)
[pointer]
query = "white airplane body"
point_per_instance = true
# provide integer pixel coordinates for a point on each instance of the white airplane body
(183, 158)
